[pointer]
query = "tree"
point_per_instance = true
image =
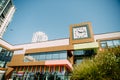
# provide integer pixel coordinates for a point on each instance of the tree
(104, 66)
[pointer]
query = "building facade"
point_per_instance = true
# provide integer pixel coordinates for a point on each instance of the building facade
(54, 59)
(5, 57)
(39, 37)
(7, 10)
(6, 54)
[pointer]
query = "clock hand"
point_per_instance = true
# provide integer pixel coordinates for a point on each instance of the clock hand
(80, 31)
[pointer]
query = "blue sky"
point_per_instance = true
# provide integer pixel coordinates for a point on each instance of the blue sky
(55, 16)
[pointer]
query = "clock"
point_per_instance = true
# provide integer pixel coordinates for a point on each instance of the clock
(80, 32)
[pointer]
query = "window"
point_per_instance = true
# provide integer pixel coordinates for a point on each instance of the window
(42, 57)
(0, 49)
(2, 4)
(110, 43)
(116, 42)
(78, 52)
(7, 53)
(2, 63)
(57, 55)
(63, 56)
(48, 56)
(103, 44)
(7, 8)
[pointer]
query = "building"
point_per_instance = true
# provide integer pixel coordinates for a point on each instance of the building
(7, 10)
(55, 59)
(39, 37)
(6, 54)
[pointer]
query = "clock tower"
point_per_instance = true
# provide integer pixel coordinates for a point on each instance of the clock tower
(81, 33)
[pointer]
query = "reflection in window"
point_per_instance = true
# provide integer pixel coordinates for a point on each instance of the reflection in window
(9, 5)
(2, 4)
(88, 52)
(57, 55)
(2, 63)
(110, 43)
(116, 42)
(78, 52)
(48, 56)
(5, 56)
(63, 56)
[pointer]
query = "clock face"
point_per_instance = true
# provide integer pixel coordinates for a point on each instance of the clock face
(80, 32)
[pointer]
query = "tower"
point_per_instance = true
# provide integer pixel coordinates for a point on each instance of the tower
(7, 10)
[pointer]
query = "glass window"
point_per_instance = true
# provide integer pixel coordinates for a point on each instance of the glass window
(116, 42)
(7, 8)
(11, 53)
(103, 44)
(38, 58)
(63, 55)
(7, 53)
(2, 63)
(48, 56)
(35, 57)
(110, 43)
(55, 56)
(42, 57)
(0, 49)
(78, 52)
(2, 4)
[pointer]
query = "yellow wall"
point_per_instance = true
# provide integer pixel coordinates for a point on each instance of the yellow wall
(86, 45)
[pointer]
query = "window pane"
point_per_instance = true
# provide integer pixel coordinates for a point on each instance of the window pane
(48, 56)
(63, 55)
(55, 56)
(116, 42)
(42, 57)
(110, 43)
(11, 53)
(78, 52)
(103, 44)
(2, 63)
(0, 49)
